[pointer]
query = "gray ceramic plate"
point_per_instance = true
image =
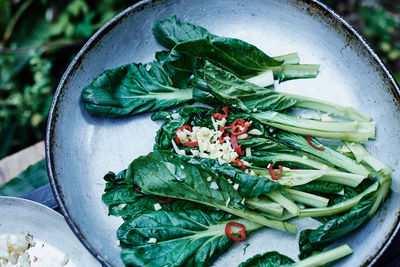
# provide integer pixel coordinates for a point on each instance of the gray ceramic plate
(45, 225)
(82, 148)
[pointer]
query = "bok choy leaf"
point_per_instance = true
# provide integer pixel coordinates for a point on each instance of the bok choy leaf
(326, 234)
(123, 200)
(249, 185)
(133, 89)
(188, 237)
(192, 234)
(231, 89)
(165, 174)
(188, 42)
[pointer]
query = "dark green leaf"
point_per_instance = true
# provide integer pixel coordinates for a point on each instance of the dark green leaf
(229, 89)
(164, 173)
(145, 204)
(350, 192)
(161, 56)
(320, 187)
(123, 200)
(167, 132)
(186, 233)
(132, 89)
(249, 185)
(318, 239)
(268, 259)
(162, 115)
(193, 112)
(117, 191)
(170, 32)
(263, 144)
(233, 55)
(189, 42)
(184, 238)
(202, 94)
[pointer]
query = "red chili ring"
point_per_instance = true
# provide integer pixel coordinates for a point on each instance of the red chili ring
(229, 233)
(220, 116)
(236, 124)
(273, 172)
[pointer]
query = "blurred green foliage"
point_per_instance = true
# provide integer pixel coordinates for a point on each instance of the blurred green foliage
(379, 22)
(40, 37)
(38, 40)
(382, 29)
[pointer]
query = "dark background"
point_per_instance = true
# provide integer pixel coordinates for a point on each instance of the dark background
(40, 37)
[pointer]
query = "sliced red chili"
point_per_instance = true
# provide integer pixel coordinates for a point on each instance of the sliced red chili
(239, 127)
(137, 189)
(309, 139)
(234, 142)
(273, 172)
(226, 110)
(239, 150)
(194, 143)
(229, 232)
(220, 116)
(240, 164)
(221, 138)
(187, 127)
(166, 201)
(222, 129)
(236, 146)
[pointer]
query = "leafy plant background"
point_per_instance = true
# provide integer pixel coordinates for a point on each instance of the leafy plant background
(40, 37)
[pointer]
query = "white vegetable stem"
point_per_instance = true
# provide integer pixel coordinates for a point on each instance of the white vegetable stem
(263, 80)
(284, 202)
(264, 205)
(325, 257)
(362, 155)
(307, 198)
(292, 58)
(346, 131)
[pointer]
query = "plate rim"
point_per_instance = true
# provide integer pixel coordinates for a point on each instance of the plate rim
(19, 199)
(73, 67)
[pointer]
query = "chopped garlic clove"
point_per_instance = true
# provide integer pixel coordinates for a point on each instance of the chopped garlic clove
(254, 132)
(152, 240)
(157, 207)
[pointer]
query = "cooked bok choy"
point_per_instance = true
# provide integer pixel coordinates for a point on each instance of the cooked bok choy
(239, 162)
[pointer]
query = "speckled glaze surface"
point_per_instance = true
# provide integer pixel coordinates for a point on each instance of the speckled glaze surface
(45, 225)
(81, 148)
